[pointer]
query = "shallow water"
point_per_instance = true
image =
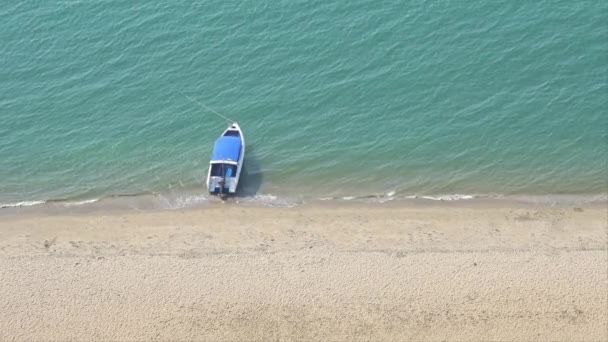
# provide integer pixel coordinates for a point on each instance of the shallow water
(337, 100)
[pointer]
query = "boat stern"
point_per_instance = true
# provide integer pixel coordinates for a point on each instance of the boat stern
(222, 185)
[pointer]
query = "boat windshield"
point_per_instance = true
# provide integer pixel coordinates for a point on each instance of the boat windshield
(223, 170)
(231, 134)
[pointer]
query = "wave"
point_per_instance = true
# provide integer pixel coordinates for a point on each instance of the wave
(78, 203)
(181, 200)
(21, 204)
(453, 197)
(269, 200)
(64, 203)
(392, 195)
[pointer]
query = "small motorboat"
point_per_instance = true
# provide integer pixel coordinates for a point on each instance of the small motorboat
(226, 162)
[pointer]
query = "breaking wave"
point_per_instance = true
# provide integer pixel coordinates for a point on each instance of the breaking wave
(21, 204)
(78, 203)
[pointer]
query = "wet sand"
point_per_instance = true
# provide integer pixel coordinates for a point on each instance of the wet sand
(314, 272)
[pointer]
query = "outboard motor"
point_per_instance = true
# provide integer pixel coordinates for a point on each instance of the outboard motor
(221, 182)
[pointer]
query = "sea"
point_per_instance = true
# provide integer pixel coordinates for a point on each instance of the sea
(113, 100)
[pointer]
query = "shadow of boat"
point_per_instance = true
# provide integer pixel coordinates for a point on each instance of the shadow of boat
(251, 175)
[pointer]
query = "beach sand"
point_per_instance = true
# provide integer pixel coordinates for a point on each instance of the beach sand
(340, 272)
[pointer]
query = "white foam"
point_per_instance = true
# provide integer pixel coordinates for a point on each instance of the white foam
(454, 197)
(184, 202)
(389, 196)
(266, 197)
(21, 204)
(269, 200)
(83, 202)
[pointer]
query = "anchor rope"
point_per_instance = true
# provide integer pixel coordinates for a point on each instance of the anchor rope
(207, 107)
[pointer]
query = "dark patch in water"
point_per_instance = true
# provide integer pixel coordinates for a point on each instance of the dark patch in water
(251, 176)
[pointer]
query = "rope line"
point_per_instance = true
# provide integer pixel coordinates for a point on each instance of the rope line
(208, 108)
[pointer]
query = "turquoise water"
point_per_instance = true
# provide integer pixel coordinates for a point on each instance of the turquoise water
(336, 98)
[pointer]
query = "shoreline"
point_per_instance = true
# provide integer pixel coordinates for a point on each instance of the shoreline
(386, 272)
(195, 201)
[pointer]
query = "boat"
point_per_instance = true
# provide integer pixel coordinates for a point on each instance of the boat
(226, 162)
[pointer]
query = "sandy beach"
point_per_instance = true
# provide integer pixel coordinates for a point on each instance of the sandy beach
(342, 272)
